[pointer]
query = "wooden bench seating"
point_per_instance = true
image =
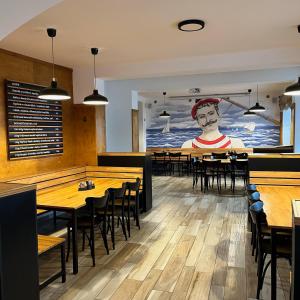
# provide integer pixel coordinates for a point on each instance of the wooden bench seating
(275, 178)
(46, 243)
(50, 181)
(128, 173)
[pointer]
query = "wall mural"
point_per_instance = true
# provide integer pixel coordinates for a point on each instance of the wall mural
(210, 123)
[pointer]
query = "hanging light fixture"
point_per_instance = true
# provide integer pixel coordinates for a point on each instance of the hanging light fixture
(164, 114)
(53, 92)
(257, 107)
(249, 113)
(95, 98)
(293, 90)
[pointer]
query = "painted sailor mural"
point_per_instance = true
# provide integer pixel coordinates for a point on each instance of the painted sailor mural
(215, 123)
(206, 113)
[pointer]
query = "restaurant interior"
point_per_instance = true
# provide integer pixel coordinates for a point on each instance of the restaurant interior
(149, 150)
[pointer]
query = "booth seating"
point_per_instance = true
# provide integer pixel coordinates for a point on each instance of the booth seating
(46, 243)
(277, 190)
(275, 178)
(53, 186)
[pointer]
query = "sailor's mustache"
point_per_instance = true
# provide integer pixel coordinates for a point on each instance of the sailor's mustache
(210, 123)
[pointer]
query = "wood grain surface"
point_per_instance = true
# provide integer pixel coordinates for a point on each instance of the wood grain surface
(190, 246)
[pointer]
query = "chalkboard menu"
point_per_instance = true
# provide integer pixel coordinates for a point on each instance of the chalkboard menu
(34, 125)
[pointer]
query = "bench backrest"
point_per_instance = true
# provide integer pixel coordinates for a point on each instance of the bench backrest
(130, 173)
(53, 179)
(50, 180)
(274, 178)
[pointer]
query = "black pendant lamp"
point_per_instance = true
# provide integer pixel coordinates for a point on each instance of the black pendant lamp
(293, 90)
(257, 107)
(53, 92)
(164, 114)
(249, 113)
(95, 98)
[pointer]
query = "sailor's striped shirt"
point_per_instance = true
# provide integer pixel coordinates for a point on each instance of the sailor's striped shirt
(221, 142)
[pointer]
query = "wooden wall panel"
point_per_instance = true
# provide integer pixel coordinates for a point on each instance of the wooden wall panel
(85, 134)
(100, 129)
(135, 130)
(21, 68)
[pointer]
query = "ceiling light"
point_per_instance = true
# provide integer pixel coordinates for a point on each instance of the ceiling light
(95, 98)
(191, 25)
(53, 92)
(293, 90)
(249, 113)
(164, 114)
(257, 107)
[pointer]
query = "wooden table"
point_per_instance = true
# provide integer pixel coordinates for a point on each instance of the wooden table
(69, 199)
(278, 209)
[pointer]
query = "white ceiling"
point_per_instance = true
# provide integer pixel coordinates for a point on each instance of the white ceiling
(139, 37)
(272, 89)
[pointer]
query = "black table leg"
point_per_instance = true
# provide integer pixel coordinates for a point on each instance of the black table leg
(273, 264)
(74, 242)
(92, 234)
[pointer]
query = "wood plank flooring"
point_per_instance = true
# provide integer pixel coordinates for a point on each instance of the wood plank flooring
(190, 246)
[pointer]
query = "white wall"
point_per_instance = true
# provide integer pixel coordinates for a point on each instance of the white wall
(14, 13)
(297, 124)
(286, 126)
(119, 93)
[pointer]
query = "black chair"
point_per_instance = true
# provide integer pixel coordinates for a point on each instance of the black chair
(160, 163)
(132, 203)
(197, 172)
(212, 169)
(225, 168)
(239, 169)
(241, 155)
(222, 155)
(283, 247)
(174, 161)
(87, 218)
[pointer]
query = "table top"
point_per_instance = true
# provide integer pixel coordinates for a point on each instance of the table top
(278, 204)
(68, 197)
(9, 189)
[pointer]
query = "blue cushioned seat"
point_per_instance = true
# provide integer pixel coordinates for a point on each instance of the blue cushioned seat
(255, 196)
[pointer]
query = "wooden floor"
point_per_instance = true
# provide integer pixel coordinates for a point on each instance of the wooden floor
(190, 246)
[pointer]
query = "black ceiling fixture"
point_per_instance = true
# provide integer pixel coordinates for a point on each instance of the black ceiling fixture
(249, 113)
(164, 114)
(257, 107)
(293, 90)
(95, 98)
(53, 92)
(191, 25)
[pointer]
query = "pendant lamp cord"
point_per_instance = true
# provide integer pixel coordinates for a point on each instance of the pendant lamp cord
(52, 42)
(257, 94)
(94, 71)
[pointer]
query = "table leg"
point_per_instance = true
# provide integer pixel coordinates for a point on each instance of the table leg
(92, 234)
(74, 242)
(273, 265)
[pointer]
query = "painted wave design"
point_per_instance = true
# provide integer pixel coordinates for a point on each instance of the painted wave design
(265, 136)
